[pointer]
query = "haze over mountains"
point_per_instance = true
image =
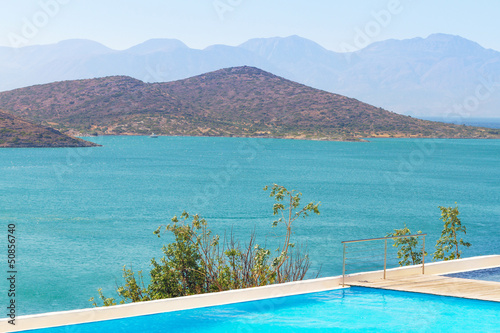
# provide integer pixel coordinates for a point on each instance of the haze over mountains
(441, 75)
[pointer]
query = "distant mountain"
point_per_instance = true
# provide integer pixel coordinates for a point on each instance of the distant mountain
(158, 60)
(441, 75)
(300, 59)
(157, 45)
(416, 76)
(18, 133)
(240, 101)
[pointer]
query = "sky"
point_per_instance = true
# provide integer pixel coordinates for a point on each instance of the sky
(335, 25)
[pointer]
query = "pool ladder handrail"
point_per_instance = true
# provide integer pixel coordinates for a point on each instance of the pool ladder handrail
(385, 251)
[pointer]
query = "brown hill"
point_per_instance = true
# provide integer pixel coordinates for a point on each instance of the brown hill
(240, 101)
(16, 132)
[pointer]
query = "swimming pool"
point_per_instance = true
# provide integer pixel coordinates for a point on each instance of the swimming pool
(489, 274)
(350, 309)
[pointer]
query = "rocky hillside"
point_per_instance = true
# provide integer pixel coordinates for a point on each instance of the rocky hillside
(16, 132)
(240, 101)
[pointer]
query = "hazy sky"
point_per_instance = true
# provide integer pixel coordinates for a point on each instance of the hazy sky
(336, 25)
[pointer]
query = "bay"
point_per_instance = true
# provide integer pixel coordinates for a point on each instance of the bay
(81, 214)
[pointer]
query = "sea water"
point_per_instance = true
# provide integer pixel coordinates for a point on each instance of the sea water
(81, 214)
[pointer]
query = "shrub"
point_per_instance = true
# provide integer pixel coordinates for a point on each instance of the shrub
(198, 261)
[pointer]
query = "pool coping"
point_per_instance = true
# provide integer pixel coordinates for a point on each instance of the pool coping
(72, 317)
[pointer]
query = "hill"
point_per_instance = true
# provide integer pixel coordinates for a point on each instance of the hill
(240, 101)
(420, 76)
(18, 133)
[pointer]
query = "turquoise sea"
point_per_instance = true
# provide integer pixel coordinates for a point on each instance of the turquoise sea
(81, 214)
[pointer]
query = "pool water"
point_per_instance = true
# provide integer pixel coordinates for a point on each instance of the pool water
(489, 274)
(350, 309)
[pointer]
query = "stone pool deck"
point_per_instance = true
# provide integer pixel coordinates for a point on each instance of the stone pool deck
(437, 285)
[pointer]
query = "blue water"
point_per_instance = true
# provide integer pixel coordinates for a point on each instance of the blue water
(352, 309)
(489, 274)
(81, 214)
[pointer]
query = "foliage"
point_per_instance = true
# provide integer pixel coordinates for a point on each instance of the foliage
(132, 289)
(447, 246)
(179, 271)
(407, 247)
(200, 262)
(288, 215)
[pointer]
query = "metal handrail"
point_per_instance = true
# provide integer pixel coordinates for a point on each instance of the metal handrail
(380, 238)
(385, 251)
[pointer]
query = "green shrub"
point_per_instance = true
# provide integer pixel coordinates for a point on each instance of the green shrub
(198, 261)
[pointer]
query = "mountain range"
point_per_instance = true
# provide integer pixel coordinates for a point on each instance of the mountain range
(238, 101)
(441, 75)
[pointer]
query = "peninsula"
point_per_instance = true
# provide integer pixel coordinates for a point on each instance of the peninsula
(18, 133)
